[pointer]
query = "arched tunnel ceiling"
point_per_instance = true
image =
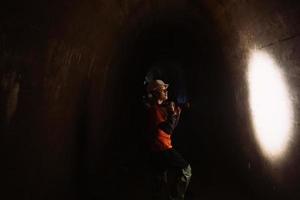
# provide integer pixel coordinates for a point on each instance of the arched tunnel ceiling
(71, 74)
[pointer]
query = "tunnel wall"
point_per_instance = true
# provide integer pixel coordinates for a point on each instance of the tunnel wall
(270, 27)
(50, 52)
(61, 95)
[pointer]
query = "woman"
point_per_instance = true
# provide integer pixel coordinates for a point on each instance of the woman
(162, 119)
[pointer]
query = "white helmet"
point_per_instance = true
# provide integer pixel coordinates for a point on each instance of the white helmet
(156, 84)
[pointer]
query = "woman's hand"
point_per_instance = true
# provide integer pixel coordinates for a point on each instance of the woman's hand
(177, 110)
(173, 109)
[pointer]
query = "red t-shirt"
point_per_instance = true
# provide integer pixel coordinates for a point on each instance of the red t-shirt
(158, 138)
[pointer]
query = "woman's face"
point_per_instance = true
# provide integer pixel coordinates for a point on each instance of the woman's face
(162, 93)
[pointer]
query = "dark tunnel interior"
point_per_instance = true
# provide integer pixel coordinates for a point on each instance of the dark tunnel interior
(187, 58)
(72, 91)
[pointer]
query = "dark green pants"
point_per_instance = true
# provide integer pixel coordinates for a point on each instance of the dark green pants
(172, 175)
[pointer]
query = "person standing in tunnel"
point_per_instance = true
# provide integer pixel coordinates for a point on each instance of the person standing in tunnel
(172, 171)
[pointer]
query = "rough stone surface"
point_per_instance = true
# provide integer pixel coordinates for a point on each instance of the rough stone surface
(71, 73)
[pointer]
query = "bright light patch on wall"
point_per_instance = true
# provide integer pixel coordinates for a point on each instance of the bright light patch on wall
(271, 107)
